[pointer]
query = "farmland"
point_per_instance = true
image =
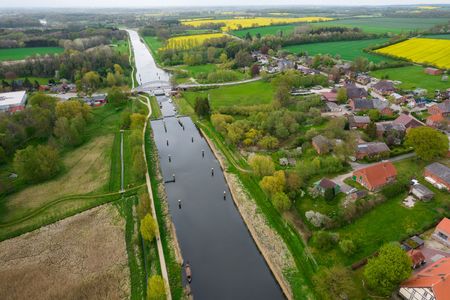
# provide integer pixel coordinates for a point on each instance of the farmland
(266, 30)
(254, 93)
(22, 53)
(348, 50)
(386, 25)
(426, 51)
(237, 23)
(412, 77)
(190, 41)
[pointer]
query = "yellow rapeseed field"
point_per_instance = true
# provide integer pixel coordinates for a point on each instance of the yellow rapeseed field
(238, 23)
(426, 51)
(190, 41)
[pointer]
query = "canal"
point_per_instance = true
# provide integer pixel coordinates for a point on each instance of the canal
(213, 238)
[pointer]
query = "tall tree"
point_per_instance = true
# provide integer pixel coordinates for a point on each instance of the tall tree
(428, 143)
(148, 228)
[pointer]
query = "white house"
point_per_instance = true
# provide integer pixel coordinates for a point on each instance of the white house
(13, 101)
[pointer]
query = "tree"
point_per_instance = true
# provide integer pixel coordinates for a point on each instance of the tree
(43, 101)
(91, 81)
(341, 95)
(37, 163)
(148, 228)
(384, 272)
(261, 165)
(374, 114)
(110, 79)
(156, 288)
(117, 97)
(202, 107)
(428, 143)
(361, 64)
(282, 95)
(371, 131)
(243, 59)
(254, 70)
(347, 246)
(335, 283)
(273, 184)
(281, 201)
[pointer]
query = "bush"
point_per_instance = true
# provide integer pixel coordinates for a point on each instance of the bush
(348, 247)
(325, 240)
(222, 76)
(156, 288)
(281, 202)
(148, 228)
(394, 189)
(261, 165)
(37, 163)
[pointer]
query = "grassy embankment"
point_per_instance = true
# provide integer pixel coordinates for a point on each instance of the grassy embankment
(22, 53)
(300, 277)
(348, 50)
(154, 44)
(412, 77)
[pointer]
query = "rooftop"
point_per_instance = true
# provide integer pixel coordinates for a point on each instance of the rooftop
(12, 98)
(439, 170)
(444, 225)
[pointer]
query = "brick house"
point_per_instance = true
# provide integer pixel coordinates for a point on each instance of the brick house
(321, 144)
(376, 176)
(438, 175)
(408, 121)
(439, 113)
(372, 150)
(354, 92)
(442, 232)
(329, 96)
(384, 87)
(359, 104)
(433, 71)
(358, 121)
(431, 283)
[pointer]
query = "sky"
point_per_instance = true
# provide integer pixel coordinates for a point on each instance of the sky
(230, 3)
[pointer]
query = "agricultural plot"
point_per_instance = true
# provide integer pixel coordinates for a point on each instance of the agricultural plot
(253, 93)
(348, 50)
(266, 30)
(426, 51)
(190, 41)
(81, 257)
(412, 77)
(385, 25)
(22, 53)
(238, 23)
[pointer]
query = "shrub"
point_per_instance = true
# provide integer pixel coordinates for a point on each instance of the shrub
(394, 189)
(347, 246)
(325, 240)
(261, 165)
(148, 228)
(281, 202)
(37, 163)
(156, 288)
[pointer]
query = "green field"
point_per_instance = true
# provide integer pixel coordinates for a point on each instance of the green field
(22, 53)
(412, 77)
(122, 47)
(266, 30)
(253, 93)
(153, 42)
(438, 36)
(384, 25)
(348, 50)
(193, 71)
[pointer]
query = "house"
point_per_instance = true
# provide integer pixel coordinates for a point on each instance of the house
(332, 107)
(413, 242)
(417, 258)
(329, 96)
(376, 176)
(431, 283)
(433, 71)
(408, 121)
(421, 192)
(442, 232)
(363, 79)
(13, 101)
(321, 144)
(358, 121)
(438, 175)
(322, 186)
(371, 150)
(379, 103)
(354, 92)
(387, 111)
(442, 109)
(96, 100)
(359, 104)
(383, 128)
(285, 64)
(384, 87)
(435, 121)
(398, 99)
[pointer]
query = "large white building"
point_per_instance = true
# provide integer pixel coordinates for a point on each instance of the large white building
(13, 101)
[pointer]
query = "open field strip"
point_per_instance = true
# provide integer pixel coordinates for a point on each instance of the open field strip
(190, 41)
(238, 23)
(425, 51)
(22, 53)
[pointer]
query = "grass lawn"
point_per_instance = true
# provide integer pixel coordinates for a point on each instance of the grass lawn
(266, 30)
(22, 53)
(383, 25)
(193, 71)
(390, 221)
(348, 50)
(413, 77)
(253, 93)
(122, 47)
(153, 42)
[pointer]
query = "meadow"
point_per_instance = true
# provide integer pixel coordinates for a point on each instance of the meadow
(348, 50)
(386, 25)
(253, 93)
(425, 51)
(22, 53)
(412, 77)
(266, 30)
(189, 41)
(238, 23)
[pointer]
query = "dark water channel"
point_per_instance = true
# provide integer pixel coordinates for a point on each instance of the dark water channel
(224, 259)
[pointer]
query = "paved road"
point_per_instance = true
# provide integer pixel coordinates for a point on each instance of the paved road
(356, 166)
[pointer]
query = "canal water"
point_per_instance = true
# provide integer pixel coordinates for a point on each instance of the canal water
(213, 238)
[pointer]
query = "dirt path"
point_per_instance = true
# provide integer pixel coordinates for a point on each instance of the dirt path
(66, 260)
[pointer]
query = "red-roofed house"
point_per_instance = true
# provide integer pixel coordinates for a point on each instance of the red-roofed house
(408, 121)
(376, 176)
(442, 232)
(329, 96)
(417, 258)
(432, 283)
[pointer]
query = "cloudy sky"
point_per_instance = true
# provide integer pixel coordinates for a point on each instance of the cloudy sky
(159, 3)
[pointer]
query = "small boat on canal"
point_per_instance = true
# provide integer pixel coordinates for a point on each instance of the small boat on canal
(187, 268)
